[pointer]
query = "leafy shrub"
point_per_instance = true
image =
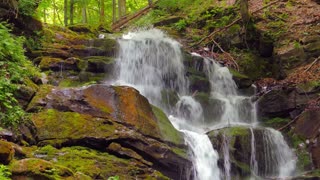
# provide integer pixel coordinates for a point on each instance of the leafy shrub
(4, 172)
(180, 25)
(14, 68)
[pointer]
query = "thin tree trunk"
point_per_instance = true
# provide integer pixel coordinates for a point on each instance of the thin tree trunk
(71, 11)
(84, 15)
(54, 12)
(102, 14)
(244, 10)
(114, 11)
(150, 2)
(66, 12)
(121, 8)
(44, 15)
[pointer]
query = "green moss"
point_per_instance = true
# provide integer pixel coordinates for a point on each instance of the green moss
(276, 122)
(47, 61)
(74, 83)
(61, 126)
(44, 90)
(237, 131)
(237, 74)
(91, 162)
(304, 159)
(309, 86)
(168, 132)
(33, 167)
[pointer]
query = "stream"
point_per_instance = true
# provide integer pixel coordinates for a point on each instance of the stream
(152, 63)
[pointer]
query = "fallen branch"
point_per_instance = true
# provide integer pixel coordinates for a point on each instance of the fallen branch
(218, 45)
(232, 23)
(314, 62)
(289, 123)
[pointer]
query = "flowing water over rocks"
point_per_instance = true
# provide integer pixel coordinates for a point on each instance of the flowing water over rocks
(153, 63)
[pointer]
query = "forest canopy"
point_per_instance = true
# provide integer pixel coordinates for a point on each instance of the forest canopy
(92, 12)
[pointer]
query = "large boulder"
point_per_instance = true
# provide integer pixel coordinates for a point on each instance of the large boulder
(98, 115)
(285, 102)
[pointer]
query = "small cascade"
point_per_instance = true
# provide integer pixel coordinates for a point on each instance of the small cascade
(235, 109)
(226, 157)
(276, 158)
(204, 156)
(253, 160)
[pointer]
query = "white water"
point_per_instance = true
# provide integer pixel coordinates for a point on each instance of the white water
(226, 157)
(152, 63)
(235, 109)
(253, 160)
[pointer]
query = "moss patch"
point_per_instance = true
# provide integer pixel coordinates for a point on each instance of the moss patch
(52, 124)
(168, 132)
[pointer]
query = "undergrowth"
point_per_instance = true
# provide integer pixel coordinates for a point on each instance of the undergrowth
(14, 69)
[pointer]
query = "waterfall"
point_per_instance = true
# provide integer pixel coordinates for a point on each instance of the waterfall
(152, 63)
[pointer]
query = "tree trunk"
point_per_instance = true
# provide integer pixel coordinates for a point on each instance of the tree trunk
(121, 8)
(44, 15)
(102, 15)
(84, 15)
(114, 11)
(71, 11)
(244, 11)
(150, 2)
(54, 12)
(66, 12)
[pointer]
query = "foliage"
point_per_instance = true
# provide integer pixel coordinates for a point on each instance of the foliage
(181, 25)
(27, 7)
(114, 178)
(14, 68)
(4, 172)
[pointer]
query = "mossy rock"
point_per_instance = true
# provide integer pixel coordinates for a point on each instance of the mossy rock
(81, 28)
(99, 64)
(38, 169)
(72, 126)
(168, 132)
(6, 152)
(199, 83)
(240, 79)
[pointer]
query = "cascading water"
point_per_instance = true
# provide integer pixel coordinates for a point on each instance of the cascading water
(152, 63)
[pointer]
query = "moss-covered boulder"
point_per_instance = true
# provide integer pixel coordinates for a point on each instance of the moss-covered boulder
(58, 64)
(38, 169)
(6, 152)
(99, 116)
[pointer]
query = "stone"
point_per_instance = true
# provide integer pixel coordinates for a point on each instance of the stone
(308, 124)
(6, 152)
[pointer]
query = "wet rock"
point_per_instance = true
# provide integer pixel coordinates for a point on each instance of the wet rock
(6, 152)
(242, 81)
(6, 134)
(99, 64)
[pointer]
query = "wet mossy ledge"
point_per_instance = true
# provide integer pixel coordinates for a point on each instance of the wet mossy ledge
(99, 131)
